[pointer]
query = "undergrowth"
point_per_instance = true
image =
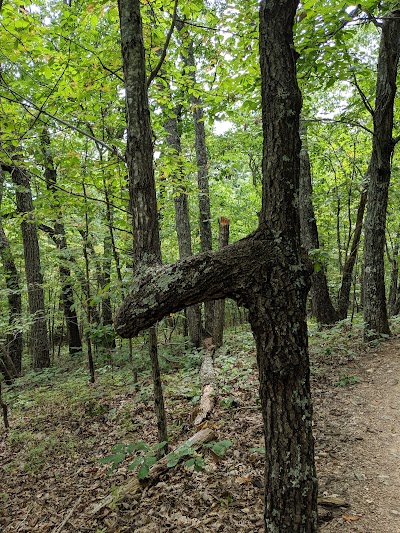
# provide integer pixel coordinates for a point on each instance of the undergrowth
(52, 411)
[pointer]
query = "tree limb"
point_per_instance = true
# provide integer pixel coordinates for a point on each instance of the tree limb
(224, 273)
(154, 73)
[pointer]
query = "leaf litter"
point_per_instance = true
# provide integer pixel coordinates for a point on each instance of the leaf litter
(50, 458)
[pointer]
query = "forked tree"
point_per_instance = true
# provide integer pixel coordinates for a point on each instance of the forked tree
(264, 272)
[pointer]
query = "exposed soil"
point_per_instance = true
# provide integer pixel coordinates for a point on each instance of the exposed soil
(359, 443)
(357, 430)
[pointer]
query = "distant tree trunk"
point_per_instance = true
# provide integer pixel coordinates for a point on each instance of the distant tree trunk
(265, 273)
(60, 240)
(347, 273)
(219, 309)
(379, 171)
(106, 310)
(38, 343)
(11, 355)
(139, 156)
(182, 223)
(85, 235)
(322, 305)
(394, 281)
(202, 179)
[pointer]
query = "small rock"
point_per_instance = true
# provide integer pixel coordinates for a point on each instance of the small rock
(395, 513)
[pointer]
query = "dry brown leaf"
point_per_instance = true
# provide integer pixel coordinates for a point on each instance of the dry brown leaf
(244, 480)
(351, 518)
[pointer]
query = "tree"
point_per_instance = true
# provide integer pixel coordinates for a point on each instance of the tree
(11, 353)
(264, 272)
(379, 172)
(57, 233)
(321, 302)
(139, 156)
(39, 343)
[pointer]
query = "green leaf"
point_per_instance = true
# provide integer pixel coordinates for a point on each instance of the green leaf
(143, 471)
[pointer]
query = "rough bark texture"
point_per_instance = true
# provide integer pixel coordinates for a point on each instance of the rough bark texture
(265, 273)
(394, 279)
(182, 224)
(379, 171)
(11, 353)
(202, 179)
(39, 343)
(322, 305)
(139, 156)
(219, 305)
(106, 309)
(60, 240)
(347, 274)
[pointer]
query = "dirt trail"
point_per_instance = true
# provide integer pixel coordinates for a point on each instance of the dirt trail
(361, 460)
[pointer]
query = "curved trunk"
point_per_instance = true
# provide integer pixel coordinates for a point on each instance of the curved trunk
(264, 272)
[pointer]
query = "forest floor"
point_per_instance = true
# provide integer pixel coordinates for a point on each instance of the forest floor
(51, 475)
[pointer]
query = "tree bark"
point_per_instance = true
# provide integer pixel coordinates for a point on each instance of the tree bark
(60, 240)
(219, 306)
(39, 343)
(379, 172)
(394, 281)
(11, 355)
(139, 157)
(347, 274)
(202, 178)
(106, 309)
(182, 223)
(265, 273)
(322, 305)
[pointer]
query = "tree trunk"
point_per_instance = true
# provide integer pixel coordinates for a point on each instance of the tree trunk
(182, 222)
(322, 305)
(106, 309)
(379, 171)
(394, 279)
(139, 157)
(347, 274)
(11, 355)
(219, 306)
(202, 179)
(39, 343)
(60, 240)
(264, 272)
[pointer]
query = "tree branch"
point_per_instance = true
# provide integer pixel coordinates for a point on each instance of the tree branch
(208, 276)
(25, 102)
(154, 73)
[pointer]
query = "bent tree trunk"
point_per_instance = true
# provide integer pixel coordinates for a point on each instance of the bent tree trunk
(379, 171)
(323, 308)
(264, 272)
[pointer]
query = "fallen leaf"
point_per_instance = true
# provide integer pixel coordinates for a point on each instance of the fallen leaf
(351, 518)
